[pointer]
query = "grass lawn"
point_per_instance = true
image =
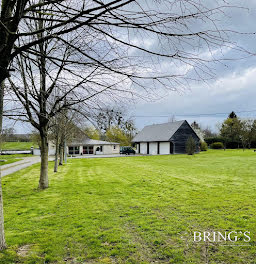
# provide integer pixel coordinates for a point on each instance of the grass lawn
(133, 210)
(18, 145)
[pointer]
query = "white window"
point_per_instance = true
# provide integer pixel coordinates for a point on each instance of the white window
(73, 150)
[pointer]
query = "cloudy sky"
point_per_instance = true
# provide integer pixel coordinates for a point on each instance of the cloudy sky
(232, 89)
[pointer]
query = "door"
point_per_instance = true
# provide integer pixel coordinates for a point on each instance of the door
(153, 148)
(143, 148)
(164, 148)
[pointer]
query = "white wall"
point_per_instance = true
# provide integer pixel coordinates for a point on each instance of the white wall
(109, 149)
(153, 148)
(164, 148)
(37, 152)
(143, 148)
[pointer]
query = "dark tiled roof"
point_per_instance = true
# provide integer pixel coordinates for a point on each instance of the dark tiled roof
(158, 132)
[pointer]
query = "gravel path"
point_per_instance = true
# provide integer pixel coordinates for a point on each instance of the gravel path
(19, 165)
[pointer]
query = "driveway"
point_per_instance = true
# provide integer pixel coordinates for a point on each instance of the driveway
(19, 165)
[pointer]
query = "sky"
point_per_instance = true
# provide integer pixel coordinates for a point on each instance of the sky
(208, 103)
(232, 89)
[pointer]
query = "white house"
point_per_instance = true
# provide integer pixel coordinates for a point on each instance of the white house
(89, 146)
(85, 146)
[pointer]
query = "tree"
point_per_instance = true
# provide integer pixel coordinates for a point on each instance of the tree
(232, 115)
(107, 118)
(209, 133)
(252, 132)
(129, 130)
(115, 121)
(247, 132)
(230, 129)
(190, 146)
(2, 236)
(8, 134)
(244, 131)
(116, 134)
(63, 129)
(92, 133)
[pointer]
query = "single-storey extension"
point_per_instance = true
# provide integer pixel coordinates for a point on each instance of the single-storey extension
(89, 146)
(85, 146)
(167, 138)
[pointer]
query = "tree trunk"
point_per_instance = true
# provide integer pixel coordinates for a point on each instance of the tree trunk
(65, 151)
(56, 154)
(43, 181)
(2, 237)
(61, 153)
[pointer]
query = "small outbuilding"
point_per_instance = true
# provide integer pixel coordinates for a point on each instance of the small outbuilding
(167, 138)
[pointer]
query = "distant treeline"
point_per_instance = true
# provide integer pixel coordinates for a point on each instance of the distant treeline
(227, 142)
(17, 138)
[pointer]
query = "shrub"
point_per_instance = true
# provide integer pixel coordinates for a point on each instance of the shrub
(217, 145)
(203, 146)
(211, 140)
(190, 146)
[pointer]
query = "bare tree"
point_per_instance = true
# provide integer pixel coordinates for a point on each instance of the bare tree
(63, 128)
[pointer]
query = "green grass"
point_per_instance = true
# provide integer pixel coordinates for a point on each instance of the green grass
(18, 145)
(132, 210)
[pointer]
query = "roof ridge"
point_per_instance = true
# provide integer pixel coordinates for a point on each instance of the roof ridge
(166, 123)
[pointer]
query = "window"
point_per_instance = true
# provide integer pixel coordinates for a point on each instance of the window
(87, 149)
(73, 150)
(70, 150)
(90, 149)
(114, 146)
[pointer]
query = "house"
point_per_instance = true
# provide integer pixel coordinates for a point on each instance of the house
(85, 146)
(89, 146)
(167, 138)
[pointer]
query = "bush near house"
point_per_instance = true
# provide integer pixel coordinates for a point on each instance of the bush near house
(190, 146)
(203, 146)
(217, 145)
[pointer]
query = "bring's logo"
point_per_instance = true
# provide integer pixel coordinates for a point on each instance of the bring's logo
(232, 236)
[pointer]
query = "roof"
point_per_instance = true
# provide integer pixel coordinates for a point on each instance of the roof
(158, 132)
(88, 141)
